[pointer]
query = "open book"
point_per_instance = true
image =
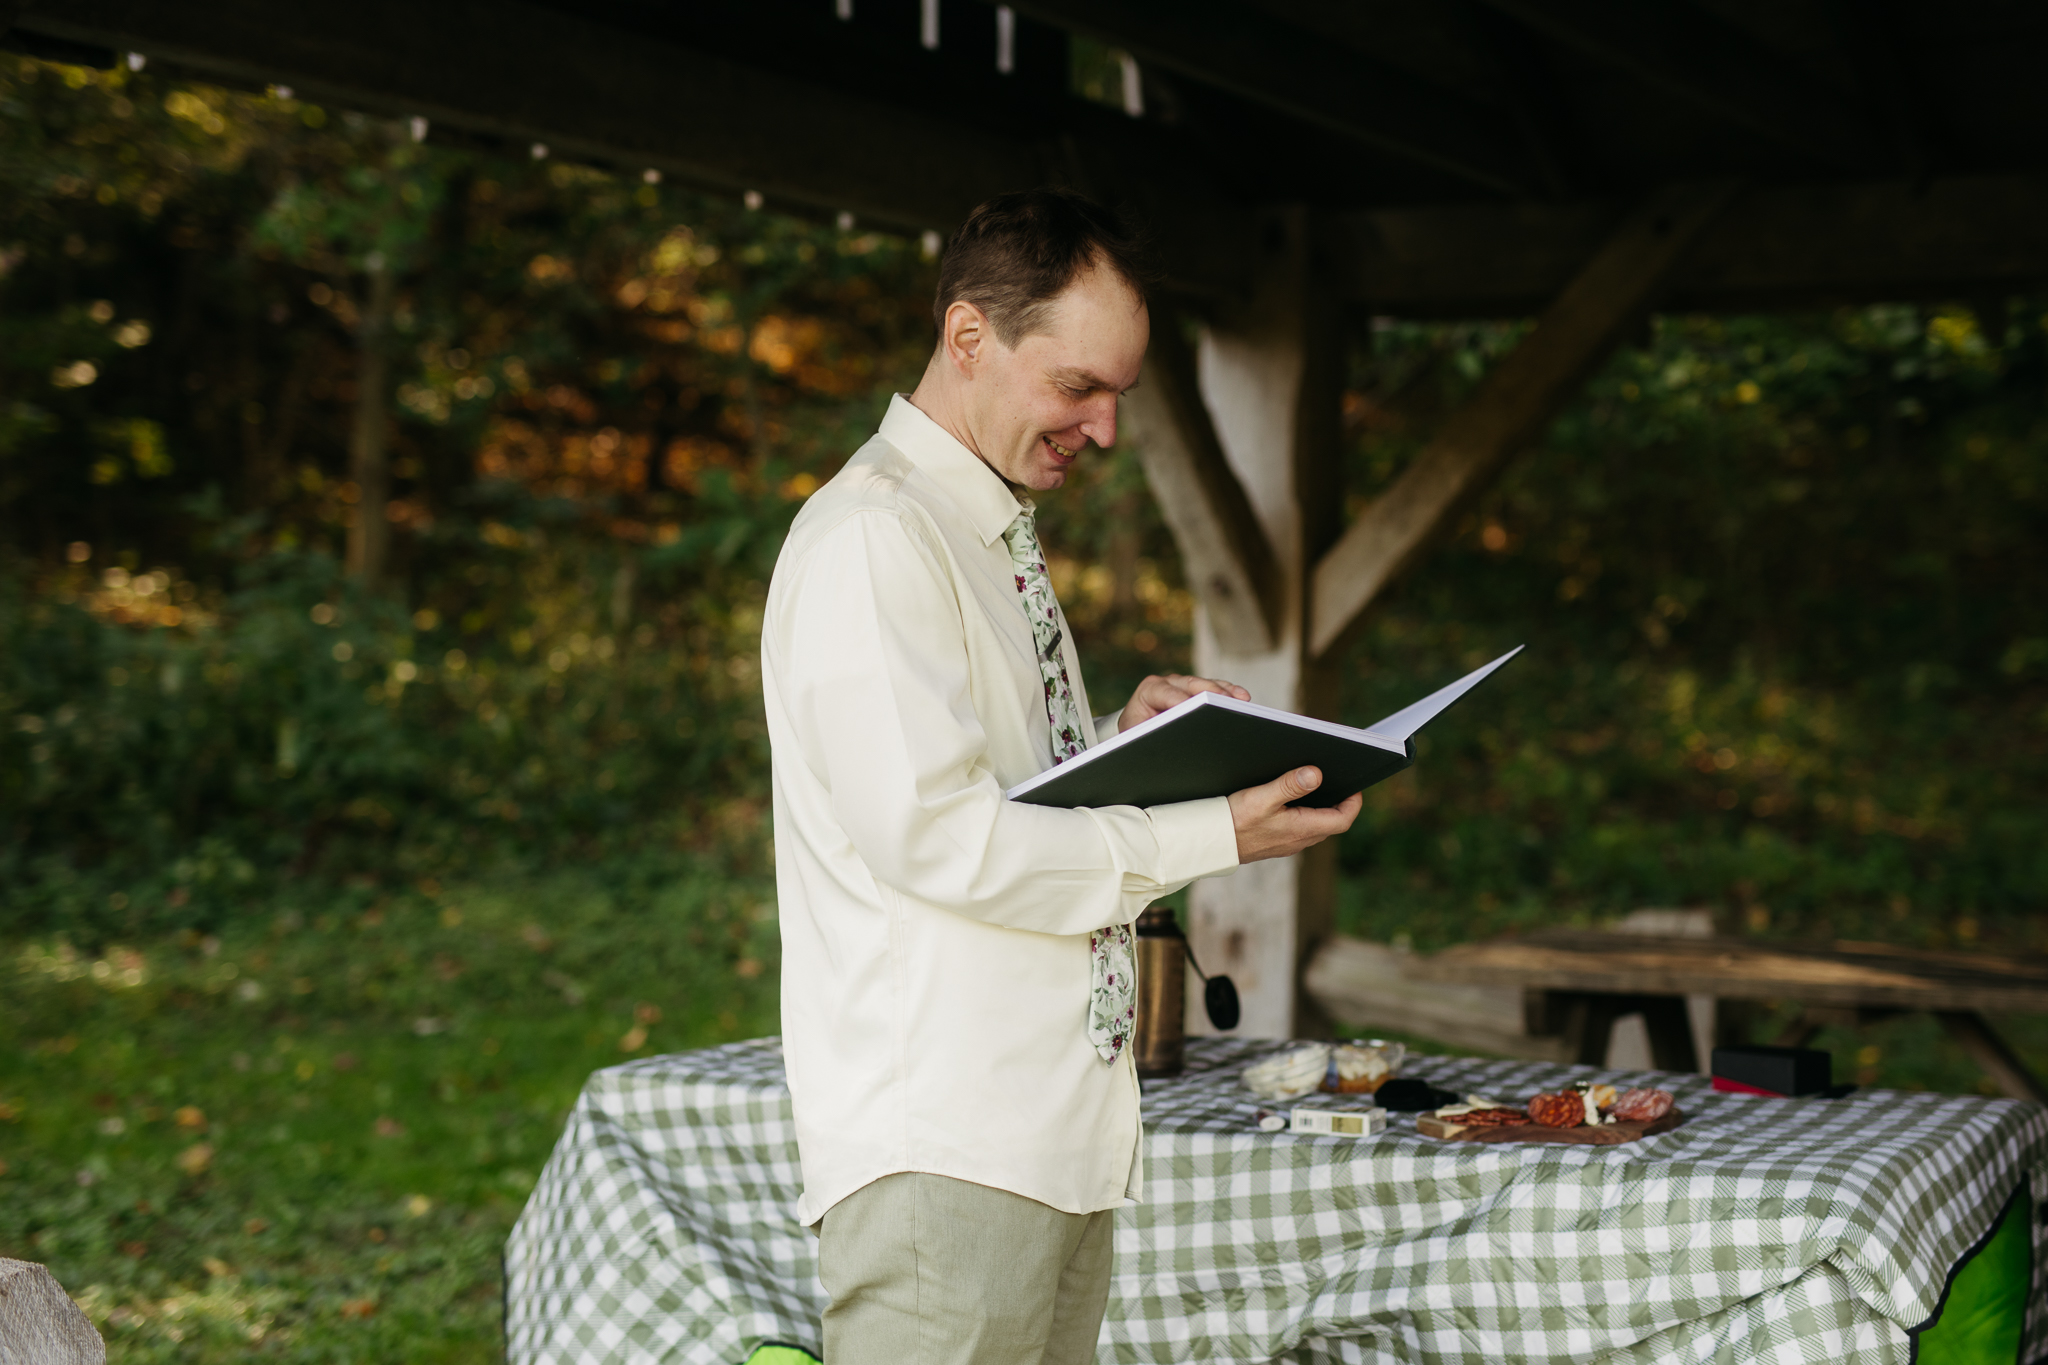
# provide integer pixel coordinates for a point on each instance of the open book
(1213, 745)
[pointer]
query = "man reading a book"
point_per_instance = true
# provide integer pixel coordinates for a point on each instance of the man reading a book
(957, 969)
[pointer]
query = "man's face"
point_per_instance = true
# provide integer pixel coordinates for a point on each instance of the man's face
(1036, 408)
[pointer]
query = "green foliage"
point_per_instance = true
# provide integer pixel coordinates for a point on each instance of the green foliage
(611, 397)
(307, 1137)
(1780, 579)
(376, 213)
(156, 776)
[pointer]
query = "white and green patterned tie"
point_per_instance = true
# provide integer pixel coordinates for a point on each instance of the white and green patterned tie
(1112, 988)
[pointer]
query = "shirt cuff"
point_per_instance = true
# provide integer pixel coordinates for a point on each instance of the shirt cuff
(1105, 726)
(1196, 839)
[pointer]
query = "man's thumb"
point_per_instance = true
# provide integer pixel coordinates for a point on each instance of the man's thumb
(1304, 780)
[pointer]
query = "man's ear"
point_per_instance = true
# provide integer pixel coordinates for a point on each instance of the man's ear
(967, 331)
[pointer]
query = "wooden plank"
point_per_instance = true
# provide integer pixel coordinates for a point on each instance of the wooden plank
(39, 1324)
(1367, 986)
(1228, 561)
(1514, 403)
(1775, 247)
(1238, 48)
(1689, 53)
(1852, 974)
(1990, 1052)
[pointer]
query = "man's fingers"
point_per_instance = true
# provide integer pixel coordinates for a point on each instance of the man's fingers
(1288, 787)
(1228, 689)
(1187, 685)
(1267, 828)
(1336, 819)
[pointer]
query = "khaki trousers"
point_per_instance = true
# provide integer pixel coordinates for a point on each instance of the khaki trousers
(927, 1270)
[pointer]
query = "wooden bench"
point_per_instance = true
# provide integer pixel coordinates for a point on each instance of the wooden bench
(1574, 984)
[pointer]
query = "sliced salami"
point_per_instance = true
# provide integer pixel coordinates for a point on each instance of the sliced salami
(1558, 1111)
(1643, 1105)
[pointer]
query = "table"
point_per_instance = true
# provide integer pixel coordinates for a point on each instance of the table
(1580, 982)
(1762, 1230)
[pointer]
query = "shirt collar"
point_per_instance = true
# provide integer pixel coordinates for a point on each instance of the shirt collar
(978, 490)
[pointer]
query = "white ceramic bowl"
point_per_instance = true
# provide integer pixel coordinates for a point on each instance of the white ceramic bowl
(1291, 1074)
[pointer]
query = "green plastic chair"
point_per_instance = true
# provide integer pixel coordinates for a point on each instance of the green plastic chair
(780, 1353)
(1984, 1312)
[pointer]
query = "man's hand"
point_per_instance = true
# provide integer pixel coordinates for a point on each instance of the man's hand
(1160, 693)
(1268, 828)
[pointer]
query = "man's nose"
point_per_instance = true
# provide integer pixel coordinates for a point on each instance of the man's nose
(1100, 424)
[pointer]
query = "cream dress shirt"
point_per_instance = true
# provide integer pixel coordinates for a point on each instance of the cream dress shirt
(935, 968)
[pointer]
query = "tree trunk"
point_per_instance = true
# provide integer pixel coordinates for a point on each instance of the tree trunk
(369, 535)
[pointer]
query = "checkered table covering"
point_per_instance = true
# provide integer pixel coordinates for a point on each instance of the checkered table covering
(1762, 1230)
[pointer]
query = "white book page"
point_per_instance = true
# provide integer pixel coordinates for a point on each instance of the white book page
(1403, 724)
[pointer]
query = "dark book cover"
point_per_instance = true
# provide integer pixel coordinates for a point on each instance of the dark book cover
(1213, 745)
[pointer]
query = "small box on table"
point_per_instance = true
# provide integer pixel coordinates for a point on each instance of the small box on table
(1776, 1071)
(1338, 1122)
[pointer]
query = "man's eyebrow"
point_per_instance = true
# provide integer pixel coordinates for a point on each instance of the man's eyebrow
(1084, 378)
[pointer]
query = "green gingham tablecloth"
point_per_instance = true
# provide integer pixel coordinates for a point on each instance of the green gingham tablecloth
(1762, 1230)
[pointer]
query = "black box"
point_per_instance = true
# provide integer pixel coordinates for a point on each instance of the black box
(1773, 1070)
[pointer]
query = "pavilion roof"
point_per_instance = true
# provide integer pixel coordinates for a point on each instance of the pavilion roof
(1460, 157)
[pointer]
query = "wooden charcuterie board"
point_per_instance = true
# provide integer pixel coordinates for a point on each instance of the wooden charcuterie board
(1606, 1135)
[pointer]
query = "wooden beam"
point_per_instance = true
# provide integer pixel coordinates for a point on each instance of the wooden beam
(531, 72)
(1514, 403)
(1521, 66)
(1224, 552)
(1892, 83)
(1795, 246)
(1237, 48)
(1689, 53)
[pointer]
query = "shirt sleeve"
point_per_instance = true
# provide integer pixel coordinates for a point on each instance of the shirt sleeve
(1105, 726)
(871, 664)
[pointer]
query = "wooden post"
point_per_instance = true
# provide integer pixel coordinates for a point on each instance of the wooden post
(1223, 547)
(1270, 376)
(369, 535)
(39, 1324)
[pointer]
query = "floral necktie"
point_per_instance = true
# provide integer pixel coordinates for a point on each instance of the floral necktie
(1112, 991)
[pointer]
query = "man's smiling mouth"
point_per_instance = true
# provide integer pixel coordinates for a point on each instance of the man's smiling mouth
(1057, 449)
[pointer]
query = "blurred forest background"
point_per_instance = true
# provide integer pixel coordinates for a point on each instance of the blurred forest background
(384, 526)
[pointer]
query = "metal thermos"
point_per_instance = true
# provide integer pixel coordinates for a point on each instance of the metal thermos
(1161, 1037)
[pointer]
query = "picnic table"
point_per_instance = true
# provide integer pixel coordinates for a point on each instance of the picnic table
(663, 1226)
(1579, 982)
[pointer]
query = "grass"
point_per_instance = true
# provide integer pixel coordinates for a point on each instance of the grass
(306, 1138)
(306, 1141)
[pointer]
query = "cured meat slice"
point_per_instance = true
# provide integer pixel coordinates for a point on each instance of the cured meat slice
(1490, 1118)
(1558, 1111)
(1643, 1105)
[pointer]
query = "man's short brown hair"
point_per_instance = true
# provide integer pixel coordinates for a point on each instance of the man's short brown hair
(1016, 252)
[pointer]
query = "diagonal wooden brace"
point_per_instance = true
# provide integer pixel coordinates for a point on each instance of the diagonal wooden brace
(1229, 563)
(1515, 402)
(1989, 1051)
